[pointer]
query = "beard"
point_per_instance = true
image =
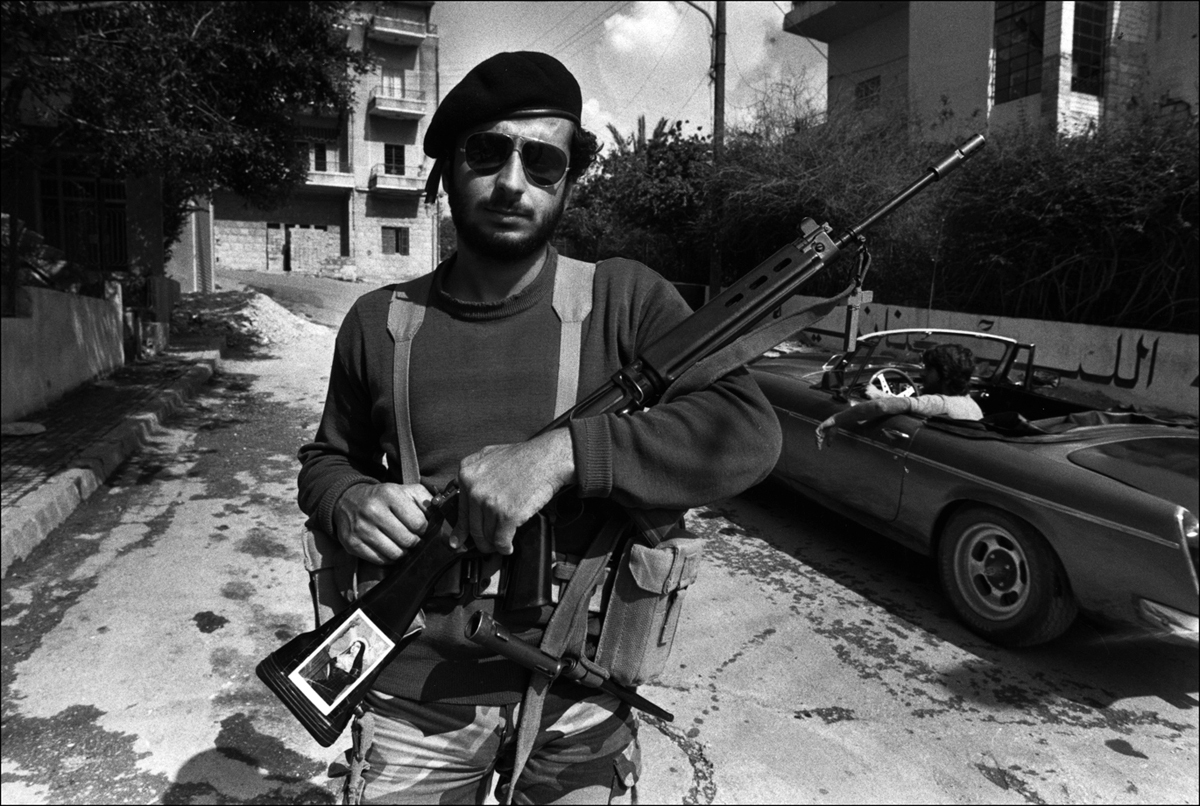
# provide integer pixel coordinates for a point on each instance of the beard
(503, 246)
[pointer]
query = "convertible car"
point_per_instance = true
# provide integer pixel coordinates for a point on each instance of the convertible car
(1041, 510)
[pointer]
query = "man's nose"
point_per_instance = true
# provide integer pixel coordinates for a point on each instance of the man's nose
(511, 176)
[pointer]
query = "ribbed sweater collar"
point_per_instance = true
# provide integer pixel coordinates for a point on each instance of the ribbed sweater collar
(523, 300)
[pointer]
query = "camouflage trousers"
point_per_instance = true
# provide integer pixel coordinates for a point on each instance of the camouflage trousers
(586, 752)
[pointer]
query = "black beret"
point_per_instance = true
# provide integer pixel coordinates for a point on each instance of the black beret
(507, 85)
(520, 84)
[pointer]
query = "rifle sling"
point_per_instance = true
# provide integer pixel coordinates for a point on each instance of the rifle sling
(567, 629)
(751, 346)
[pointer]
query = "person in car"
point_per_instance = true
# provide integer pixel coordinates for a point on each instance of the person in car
(944, 385)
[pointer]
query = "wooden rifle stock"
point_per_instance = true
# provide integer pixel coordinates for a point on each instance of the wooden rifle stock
(386, 613)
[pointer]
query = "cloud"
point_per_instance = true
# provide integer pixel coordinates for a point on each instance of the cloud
(653, 59)
(596, 119)
(647, 25)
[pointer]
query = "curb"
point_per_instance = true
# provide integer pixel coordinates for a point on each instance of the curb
(36, 515)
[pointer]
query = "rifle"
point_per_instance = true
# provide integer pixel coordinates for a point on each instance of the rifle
(715, 339)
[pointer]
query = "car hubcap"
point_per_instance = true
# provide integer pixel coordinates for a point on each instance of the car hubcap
(991, 571)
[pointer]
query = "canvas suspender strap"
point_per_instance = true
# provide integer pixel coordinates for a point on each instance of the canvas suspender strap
(572, 302)
(405, 315)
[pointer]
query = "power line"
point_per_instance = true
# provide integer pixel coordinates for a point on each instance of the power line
(699, 83)
(554, 25)
(812, 42)
(649, 75)
(868, 67)
(596, 21)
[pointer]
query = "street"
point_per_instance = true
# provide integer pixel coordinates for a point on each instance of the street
(816, 661)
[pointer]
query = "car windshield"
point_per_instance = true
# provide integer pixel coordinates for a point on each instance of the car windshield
(902, 349)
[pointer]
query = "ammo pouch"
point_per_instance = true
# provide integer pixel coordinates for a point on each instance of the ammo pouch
(335, 577)
(647, 593)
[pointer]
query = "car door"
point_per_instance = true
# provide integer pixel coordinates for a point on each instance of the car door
(861, 467)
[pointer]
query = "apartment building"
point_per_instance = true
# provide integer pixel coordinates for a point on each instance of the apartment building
(361, 214)
(962, 67)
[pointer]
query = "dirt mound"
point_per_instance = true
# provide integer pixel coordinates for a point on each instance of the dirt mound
(244, 317)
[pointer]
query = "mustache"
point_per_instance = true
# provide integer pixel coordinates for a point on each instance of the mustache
(509, 209)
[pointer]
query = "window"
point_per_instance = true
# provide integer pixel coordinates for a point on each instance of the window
(84, 216)
(1020, 25)
(393, 159)
(1087, 55)
(393, 83)
(320, 161)
(395, 240)
(866, 94)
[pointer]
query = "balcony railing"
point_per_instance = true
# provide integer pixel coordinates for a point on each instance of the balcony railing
(336, 176)
(403, 32)
(392, 179)
(395, 102)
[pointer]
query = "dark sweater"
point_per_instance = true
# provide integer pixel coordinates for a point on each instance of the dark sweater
(485, 374)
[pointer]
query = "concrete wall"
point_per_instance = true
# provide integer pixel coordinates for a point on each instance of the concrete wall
(1131, 366)
(951, 63)
(67, 341)
(879, 49)
(1174, 59)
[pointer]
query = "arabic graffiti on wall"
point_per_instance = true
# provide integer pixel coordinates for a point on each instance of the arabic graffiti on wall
(1134, 366)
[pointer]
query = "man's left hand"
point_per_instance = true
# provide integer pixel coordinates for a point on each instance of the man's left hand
(503, 486)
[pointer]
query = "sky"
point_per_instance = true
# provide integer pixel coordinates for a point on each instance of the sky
(637, 58)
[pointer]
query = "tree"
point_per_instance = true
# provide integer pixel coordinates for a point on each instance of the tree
(647, 200)
(447, 237)
(202, 94)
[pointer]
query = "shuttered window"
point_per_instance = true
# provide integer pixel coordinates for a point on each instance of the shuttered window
(395, 240)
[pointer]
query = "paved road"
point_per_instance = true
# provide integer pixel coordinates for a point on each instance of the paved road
(320, 299)
(818, 663)
(815, 661)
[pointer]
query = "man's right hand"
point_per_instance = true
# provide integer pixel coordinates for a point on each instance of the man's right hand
(381, 522)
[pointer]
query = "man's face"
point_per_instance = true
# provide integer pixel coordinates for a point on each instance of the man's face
(503, 215)
(345, 661)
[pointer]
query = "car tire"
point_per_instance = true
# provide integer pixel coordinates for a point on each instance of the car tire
(1003, 579)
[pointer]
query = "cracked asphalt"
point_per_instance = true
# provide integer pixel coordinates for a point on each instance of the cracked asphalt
(815, 662)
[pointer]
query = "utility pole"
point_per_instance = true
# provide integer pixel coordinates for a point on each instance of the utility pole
(717, 73)
(714, 266)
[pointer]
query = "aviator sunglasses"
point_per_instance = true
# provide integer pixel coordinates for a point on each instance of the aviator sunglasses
(488, 152)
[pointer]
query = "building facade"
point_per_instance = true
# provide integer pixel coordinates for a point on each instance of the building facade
(361, 214)
(962, 67)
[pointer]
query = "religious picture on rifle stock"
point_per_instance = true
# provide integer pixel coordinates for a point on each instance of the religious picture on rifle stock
(327, 675)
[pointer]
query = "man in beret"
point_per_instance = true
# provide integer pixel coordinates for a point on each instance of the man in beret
(482, 375)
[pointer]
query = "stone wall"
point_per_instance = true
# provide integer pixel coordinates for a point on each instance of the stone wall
(242, 245)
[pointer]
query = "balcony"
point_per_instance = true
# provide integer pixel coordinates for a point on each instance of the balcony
(334, 177)
(400, 32)
(402, 104)
(826, 21)
(387, 179)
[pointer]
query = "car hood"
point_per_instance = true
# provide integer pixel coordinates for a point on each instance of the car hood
(1168, 467)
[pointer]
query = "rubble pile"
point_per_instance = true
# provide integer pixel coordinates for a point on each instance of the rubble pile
(276, 324)
(244, 317)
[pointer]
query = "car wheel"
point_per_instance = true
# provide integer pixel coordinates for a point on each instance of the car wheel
(1003, 579)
